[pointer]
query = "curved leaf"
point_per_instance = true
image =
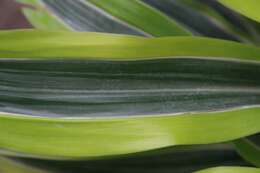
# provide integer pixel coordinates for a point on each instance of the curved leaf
(21, 135)
(72, 45)
(230, 170)
(51, 137)
(182, 159)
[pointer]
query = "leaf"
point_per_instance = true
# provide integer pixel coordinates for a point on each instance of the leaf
(67, 88)
(70, 45)
(141, 16)
(114, 17)
(250, 10)
(248, 150)
(178, 159)
(193, 20)
(230, 170)
(27, 135)
(41, 18)
(9, 166)
(50, 137)
(97, 88)
(226, 18)
(172, 18)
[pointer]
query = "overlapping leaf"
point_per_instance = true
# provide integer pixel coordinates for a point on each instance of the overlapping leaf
(114, 93)
(147, 17)
(116, 88)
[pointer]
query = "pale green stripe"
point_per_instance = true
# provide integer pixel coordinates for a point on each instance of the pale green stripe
(83, 138)
(40, 44)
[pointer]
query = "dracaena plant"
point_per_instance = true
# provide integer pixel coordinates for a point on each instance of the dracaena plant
(152, 93)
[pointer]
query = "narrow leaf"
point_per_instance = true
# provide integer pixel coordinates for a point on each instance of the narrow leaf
(142, 16)
(51, 137)
(71, 45)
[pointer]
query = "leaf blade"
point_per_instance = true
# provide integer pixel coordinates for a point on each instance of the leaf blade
(250, 9)
(21, 44)
(28, 135)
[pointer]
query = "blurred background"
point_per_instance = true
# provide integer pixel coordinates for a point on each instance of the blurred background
(11, 16)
